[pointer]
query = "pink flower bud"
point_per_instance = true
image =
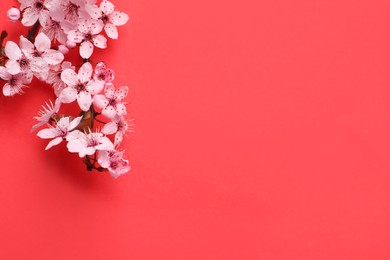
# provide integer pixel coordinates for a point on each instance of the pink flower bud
(13, 14)
(63, 49)
(70, 44)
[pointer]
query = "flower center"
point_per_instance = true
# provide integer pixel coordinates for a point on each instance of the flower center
(23, 62)
(88, 37)
(105, 18)
(38, 5)
(12, 81)
(80, 87)
(93, 142)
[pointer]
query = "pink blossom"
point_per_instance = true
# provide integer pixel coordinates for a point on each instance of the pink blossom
(71, 10)
(102, 73)
(15, 82)
(23, 59)
(13, 14)
(42, 48)
(36, 9)
(46, 114)
(110, 18)
(87, 34)
(114, 162)
(60, 132)
(80, 86)
(118, 126)
(88, 144)
(56, 29)
(112, 102)
(54, 77)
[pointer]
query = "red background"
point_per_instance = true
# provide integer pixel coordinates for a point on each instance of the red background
(263, 132)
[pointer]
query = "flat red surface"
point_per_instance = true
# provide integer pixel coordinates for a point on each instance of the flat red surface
(263, 132)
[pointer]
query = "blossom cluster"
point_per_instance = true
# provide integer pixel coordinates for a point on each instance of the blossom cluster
(55, 27)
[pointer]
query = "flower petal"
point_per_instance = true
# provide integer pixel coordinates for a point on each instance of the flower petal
(84, 100)
(12, 51)
(70, 77)
(85, 72)
(95, 86)
(86, 49)
(26, 46)
(30, 16)
(42, 42)
(93, 11)
(121, 92)
(53, 57)
(111, 30)
(75, 36)
(110, 128)
(68, 95)
(105, 144)
(4, 74)
(54, 142)
(119, 18)
(100, 41)
(109, 112)
(47, 133)
(100, 101)
(13, 67)
(75, 122)
(107, 7)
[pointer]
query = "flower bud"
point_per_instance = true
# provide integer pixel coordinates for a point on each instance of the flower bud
(13, 14)
(70, 44)
(63, 49)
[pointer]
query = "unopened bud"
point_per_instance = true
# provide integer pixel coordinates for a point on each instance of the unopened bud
(13, 14)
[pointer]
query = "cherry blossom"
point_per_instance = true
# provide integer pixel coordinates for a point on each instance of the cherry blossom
(34, 10)
(54, 77)
(80, 86)
(13, 14)
(60, 132)
(110, 18)
(114, 162)
(22, 59)
(102, 73)
(88, 144)
(46, 114)
(87, 34)
(118, 126)
(112, 102)
(42, 49)
(15, 82)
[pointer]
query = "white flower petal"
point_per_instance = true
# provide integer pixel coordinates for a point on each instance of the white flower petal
(109, 112)
(12, 51)
(13, 67)
(107, 7)
(111, 30)
(95, 86)
(105, 144)
(55, 141)
(100, 41)
(53, 57)
(42, 42)
(4, 74)
(68, 95)
(47, 133)
(70, 77)
(84, 100)
(75, 36)
(100, 101)
(85, 72)
(94, 11)
(110, 128)
(119, 18)
(86, 49)
(30, 16)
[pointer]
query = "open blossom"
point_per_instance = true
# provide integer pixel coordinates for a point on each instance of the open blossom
(34, 10)
(112, 102)
(22, 59)
(102, 73)
(110, 18)
(118, 126)
(42, 48)
(54, 77)
(88, 144)
(87, 34)
(60, 132)
(15, 83)
(56, 29)
(114, 162)
(46, 114)
(80, 86)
